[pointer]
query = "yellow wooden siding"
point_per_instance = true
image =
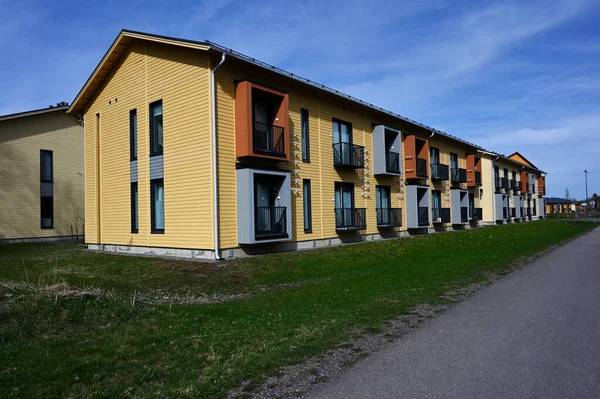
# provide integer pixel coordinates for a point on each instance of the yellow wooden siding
(20, 143)
(320, 171)
(180, 78)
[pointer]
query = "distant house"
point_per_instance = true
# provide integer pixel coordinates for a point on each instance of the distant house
(559, 205)
(41, 182)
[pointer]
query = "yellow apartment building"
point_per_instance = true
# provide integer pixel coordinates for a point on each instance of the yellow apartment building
(41, 197)
(195, 150)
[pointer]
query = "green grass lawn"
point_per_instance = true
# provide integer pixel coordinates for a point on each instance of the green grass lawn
(301, 304)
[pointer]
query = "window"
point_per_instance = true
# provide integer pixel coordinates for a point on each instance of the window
(342, 132)
(305, 135)
(383, 197)
(453, 161)
(496, 173)
(157, 202)
(506, 173)
(134, 207)
(307, 206)
(133, 135)
(156, 128)
(434, 156)
(46, 190)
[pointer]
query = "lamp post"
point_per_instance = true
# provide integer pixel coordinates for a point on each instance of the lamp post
(587, 200)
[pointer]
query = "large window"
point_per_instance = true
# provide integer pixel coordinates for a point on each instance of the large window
(305, 135)
(156, 128)
(307, 206)
(133, 135)
(46, 190)
(134, 207)
(157, 202)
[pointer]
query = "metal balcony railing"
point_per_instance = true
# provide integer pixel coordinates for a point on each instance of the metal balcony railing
(423, 216)
(478, 214)
(439, 172)
(458, 175)
(464, 214)
(348, 219)
(392, 162)
(348, 155)
(513, 185)
(440, 215)
(389, 217)
(268, 139)
(270, 221)
(422, 168)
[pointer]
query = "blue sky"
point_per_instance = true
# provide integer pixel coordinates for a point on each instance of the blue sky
(508, 75)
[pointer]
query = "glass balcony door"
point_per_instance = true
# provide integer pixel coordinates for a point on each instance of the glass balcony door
(342, 140)
(384, 203)
(344, 204)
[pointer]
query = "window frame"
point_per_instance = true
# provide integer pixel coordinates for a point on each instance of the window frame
(307, 205)
(305, 134)
(133, 135)
(47, 198)
(341, 122)
(455, 156)
(153, 229)
(134, 208)
(152, 128)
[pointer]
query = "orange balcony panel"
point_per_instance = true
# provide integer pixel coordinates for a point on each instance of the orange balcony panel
(541, 181)
(473, 170)
(416, 157)
(261, 122)
(525, 182)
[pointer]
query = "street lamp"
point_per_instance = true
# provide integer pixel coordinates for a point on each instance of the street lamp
(587, 200)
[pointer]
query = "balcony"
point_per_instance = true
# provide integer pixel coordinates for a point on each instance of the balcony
(268, 139)
(387, 145)
(439, 172)
(458, 175)
(541, 185)
(348, 155)
(261, 122)
(392, 163)
(416, 157)
(513, 185)
(478, 178)
(270, 222)
(519, 186)
(501, 183)
(389, 217)
(440, 215)
(418, 203)
(350, 219)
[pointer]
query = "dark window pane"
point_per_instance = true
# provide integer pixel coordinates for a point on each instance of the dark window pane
(156, 128)
(47, 212)
(46, 166)
(157, 194)
(134, 207)
(307, 206)
(133, 134)
(305, 135)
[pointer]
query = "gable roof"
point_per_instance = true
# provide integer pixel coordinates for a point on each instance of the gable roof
(23, 114)
(517, 154)
(119, 46)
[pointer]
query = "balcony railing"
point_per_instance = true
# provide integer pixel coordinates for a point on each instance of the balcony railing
(440, 215)
(423, 216)
(268, 139)
(464, 214)
(348, 219)
(477, 178)
(392, 162)
(422, 168)
(520, 185)
(389, 217)
(439, 172)
(478, 214)
(513, 212)
(270, 221)
(458, 175)
(348, 155)
(513, 185)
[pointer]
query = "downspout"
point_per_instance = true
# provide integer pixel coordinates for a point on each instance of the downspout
(214, 156)
(81, 122)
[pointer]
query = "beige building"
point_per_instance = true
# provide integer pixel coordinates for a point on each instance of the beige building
(41, 182)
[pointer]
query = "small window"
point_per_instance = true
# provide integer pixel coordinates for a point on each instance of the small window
(133, 135)
(307, 206)
(157, 202)
(156, 128)
(134, 207)
(453, 161)
(305, 135)
(46, 190)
